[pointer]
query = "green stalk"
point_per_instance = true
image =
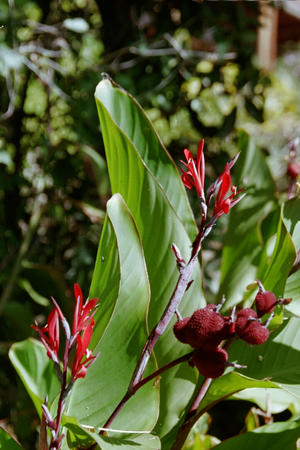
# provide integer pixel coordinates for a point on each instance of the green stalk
(32, 226)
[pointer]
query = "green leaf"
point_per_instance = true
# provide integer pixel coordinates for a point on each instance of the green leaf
(77, 435)
(275, 436)
(220, 389)
(36, 371)
(142, 171)
(278, 359)
(36, 297)
(129, 119)
(240, 262)
(281, 261)
(106, 279)
(273, 400)
(291, 218)
(144, 442)
(292, 290)
(228, 384)
(93, 399)
(7, 442)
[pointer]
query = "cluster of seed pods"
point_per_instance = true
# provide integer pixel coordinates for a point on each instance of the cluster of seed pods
(206, 329)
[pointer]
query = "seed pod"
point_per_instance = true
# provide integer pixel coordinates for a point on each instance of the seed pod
(205, 328)
(179, 329)
(211, 362)
(242, 319)
(265, 303)
(254, 333)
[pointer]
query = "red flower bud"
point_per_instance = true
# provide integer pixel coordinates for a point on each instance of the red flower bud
(211, 362)
(265, 303)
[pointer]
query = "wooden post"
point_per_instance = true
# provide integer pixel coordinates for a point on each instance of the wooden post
(267, 36)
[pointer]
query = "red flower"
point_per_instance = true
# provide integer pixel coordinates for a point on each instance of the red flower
(49, 334)
(80, 367)
(82, 313)
(194, 176)
(223, 204)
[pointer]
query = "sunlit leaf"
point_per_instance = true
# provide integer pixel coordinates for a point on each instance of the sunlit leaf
(142, 171)
(275, 436)
(243, 242)
(7, 442)
(36, 371)
(94, 398)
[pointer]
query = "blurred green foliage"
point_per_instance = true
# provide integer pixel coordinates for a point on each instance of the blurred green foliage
(190, 64)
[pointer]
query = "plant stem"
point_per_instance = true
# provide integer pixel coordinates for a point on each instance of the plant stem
(190, 419)
(180, 288)
(54, 445)
(201, 394)
(33, 223)
(171, 308)
(131, 392)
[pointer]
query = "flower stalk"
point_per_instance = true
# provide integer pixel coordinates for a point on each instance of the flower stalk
(192, 177)
(79, 338)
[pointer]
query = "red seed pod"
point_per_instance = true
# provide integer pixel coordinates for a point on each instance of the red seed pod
(293, 169)
(229, 328)
(205, 328)
(254, 333)
(242, 319)
(211, 362)
(265, 303)
(179, 329)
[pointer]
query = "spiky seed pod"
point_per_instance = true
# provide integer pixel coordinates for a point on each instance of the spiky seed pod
(254, 333)
(179, 329)
(229, 328)
(211, 362)
(265, 302)
(242, 319)
(205, 328)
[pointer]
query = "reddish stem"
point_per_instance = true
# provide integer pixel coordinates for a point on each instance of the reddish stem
(171, 308)
(141, 383)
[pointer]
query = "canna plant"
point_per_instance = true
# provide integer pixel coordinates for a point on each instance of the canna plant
(166, 356)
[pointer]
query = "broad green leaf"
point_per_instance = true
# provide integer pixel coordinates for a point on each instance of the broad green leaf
(281, 261)
(130, 119)
(142, 442)
(277, 360)
(291, 218)
(244, 241)
(220, 389)
(273, 400)
(275, 436)
(230, 383)
(142, 171)
(106, 279)
(7, 442)
(36, 371)
(78, 435)
(292, 290)
(93, 399)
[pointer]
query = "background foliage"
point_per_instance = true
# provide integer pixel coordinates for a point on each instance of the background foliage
(191, 66)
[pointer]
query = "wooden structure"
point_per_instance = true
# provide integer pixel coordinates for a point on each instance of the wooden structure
(278, 25)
